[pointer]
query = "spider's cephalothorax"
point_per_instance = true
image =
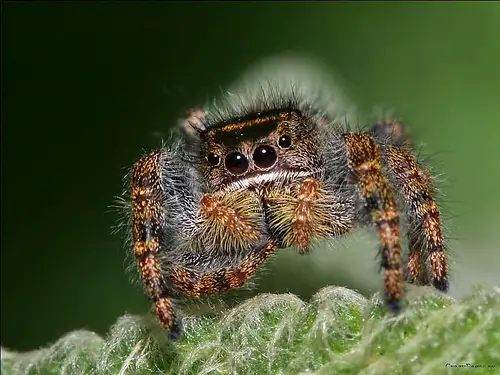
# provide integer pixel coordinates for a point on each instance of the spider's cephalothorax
(277, 171)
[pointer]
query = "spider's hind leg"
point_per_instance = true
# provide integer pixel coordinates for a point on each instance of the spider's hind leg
(415, 183)
(392, 131)
(379, 203)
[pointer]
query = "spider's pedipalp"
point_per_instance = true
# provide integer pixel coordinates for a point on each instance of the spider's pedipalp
(148, 221)
(416, 186)
(379, 201)
(306, 212)
(233, 222)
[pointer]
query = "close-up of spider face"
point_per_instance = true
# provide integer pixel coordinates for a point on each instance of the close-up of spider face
(278, 169)
(257, 149)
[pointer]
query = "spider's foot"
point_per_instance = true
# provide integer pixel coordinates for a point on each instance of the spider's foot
(394, 305)
(441, 284)
(164, 309)
(175, 331)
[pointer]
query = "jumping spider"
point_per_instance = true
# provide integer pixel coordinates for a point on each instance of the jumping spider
(275, 172)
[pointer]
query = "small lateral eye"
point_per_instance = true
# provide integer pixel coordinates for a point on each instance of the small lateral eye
(284, 141)
(213, 159)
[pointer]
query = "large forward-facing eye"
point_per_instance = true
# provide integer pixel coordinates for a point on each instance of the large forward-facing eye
(264, 156)
(236, 163)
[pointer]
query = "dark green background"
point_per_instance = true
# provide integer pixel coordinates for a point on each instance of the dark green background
(87, 86)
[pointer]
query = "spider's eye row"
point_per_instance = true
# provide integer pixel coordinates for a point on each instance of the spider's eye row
(213, 159)
(264, 156)
(284, 141)
(236, 163)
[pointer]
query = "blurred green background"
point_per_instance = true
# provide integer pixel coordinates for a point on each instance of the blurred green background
(87, 86)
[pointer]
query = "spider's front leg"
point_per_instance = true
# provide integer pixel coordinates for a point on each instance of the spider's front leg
(197, 243)
(379, 201)
(232, 241)
(149, 226)
(194, 281)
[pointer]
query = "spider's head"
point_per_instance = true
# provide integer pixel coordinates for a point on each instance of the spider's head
(262, 148)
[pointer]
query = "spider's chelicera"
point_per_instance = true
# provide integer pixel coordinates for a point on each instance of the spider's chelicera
(210, 209)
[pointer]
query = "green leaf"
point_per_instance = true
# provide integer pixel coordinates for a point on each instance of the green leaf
(337, 332)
